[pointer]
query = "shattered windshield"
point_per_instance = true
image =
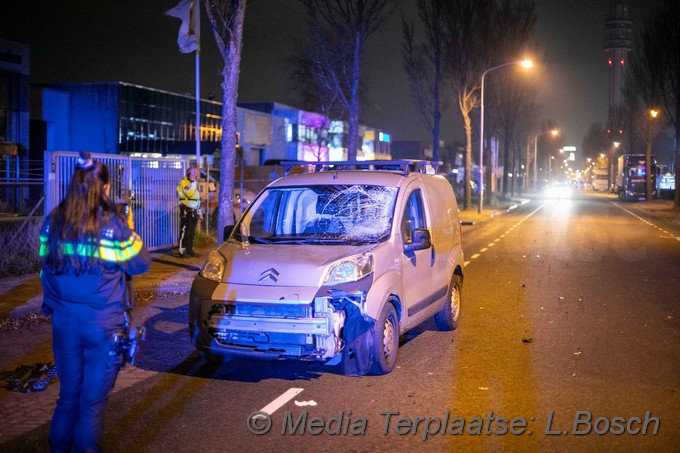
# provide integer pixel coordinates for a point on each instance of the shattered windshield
(329, 214)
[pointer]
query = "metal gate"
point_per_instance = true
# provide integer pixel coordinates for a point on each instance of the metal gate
(147, 184)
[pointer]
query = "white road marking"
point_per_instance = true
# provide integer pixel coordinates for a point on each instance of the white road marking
(647, 222)
(281, 400)
(491, 244)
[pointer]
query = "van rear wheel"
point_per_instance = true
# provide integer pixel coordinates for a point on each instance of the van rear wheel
(385, 340)
(447, 318)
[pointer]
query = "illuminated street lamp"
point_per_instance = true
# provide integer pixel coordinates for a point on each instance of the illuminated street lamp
(524, 64)
(554, 133)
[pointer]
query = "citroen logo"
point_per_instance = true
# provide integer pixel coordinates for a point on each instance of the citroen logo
(270, 273)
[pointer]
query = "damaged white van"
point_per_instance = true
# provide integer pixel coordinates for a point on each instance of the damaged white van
(333, 265)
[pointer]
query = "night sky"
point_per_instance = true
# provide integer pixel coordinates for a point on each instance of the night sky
(134, 41)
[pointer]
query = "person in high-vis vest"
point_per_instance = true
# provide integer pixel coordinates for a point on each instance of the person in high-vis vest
(189, 212)
(88, 252)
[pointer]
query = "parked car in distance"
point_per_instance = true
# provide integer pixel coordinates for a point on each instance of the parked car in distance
(333, 265)
(209, 199)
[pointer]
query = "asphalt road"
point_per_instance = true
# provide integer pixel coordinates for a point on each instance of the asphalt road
(569, 341)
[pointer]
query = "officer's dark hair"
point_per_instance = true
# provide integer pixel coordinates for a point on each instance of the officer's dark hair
(78, 217)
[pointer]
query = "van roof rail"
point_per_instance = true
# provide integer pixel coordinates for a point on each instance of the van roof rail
(404, 165)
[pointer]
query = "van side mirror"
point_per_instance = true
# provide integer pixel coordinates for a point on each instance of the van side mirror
(421, 240)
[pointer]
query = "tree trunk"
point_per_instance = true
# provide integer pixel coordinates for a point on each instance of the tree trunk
(676, 197)
(231, 54)
(228, 155)
(354, 101)
(526, 169)
(467, 203)
(649, 177)
(437, 116)
(507, 166)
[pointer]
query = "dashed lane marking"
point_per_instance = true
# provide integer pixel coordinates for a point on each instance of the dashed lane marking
(643, 220)
(502, 236)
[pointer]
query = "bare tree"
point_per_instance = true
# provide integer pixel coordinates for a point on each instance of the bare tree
(425, 65)
(515, 22)
(338, 31)
(477, 42)
(307, 91)
(653, 83)
(642, 96)
(226, 20)
(527, 122)
(312, 96)
(595, 142)
(469, 38)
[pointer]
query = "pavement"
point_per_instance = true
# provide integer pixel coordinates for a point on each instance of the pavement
(473, 216)
(162, 296)
(26, 335)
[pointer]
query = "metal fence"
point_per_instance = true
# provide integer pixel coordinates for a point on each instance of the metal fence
(146, 184)
(31, 189)
(21, 196)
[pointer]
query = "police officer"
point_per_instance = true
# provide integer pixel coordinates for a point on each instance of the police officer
(87, 250)
(189, 212)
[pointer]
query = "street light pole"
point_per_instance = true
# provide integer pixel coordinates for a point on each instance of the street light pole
(524, 63)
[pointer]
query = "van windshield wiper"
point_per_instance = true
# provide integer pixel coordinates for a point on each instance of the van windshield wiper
(305, 240)
(253, 239)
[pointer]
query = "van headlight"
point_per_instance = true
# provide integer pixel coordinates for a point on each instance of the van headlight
(214, 266)
(348, 269)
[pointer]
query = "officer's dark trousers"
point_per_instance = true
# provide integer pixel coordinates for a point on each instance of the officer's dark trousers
(87, 366)
(187, 229)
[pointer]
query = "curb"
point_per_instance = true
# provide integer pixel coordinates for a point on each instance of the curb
(515, 205)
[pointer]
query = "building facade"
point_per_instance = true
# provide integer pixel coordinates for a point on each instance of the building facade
(14, 97)
(119, 117)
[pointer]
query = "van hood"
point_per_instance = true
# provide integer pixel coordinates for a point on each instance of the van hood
(282, 264)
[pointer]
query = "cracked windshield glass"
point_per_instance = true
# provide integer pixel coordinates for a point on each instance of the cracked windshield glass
(330, 213)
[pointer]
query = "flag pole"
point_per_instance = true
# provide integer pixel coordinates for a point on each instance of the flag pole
(197, 9)
(198, 110)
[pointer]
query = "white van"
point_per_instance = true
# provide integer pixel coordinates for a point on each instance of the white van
(333, 265)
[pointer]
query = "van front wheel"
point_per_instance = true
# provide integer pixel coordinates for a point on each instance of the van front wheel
(447, 317)
(385, 340)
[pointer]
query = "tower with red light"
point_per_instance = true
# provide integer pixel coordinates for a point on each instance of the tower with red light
(617, 44)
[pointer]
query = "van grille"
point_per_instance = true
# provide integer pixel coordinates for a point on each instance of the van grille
(264, 310)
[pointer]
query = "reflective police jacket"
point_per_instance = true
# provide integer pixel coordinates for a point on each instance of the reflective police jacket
(189, 195)
(118, 252)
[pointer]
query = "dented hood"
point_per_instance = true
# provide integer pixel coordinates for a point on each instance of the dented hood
(287, 265)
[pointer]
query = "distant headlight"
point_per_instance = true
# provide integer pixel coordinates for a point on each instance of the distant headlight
(213, 269)
(348, 269)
